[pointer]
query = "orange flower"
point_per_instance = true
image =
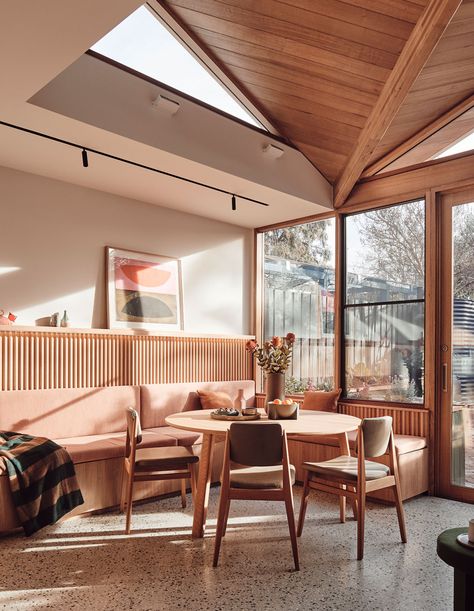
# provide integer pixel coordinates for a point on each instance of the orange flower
(276, 341)
(251, 345)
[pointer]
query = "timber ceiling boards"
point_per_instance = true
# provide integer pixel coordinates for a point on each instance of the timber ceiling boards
(446, 80)
(314, 68)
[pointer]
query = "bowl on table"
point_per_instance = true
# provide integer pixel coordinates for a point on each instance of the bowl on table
(249, 411)
(282, 410)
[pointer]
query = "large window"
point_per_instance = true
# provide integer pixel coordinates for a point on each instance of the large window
(299, 281)
(384, 303)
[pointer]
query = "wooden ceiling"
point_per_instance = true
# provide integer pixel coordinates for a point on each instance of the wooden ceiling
(332, 75)
(446, 79)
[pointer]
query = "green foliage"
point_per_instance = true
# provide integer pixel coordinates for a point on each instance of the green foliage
(306, 243)
(297, 386)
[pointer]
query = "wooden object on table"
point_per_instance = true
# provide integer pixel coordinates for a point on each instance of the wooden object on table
(239, 418)
(355, 477)
(309, 423)
(149, 464)
(266, 476)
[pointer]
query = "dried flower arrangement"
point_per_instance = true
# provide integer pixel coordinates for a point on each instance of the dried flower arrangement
(275, 355)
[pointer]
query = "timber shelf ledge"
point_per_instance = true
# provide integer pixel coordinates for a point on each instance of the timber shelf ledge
(21, 329)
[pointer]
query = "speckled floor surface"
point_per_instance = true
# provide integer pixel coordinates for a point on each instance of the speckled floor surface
(88, 564)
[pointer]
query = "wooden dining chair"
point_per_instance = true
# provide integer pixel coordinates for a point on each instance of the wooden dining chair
(148, 464)
(256, 467)
(355, 477)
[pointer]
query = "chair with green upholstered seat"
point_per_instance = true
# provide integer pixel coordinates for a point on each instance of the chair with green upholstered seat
(354, 477)
(256, 467)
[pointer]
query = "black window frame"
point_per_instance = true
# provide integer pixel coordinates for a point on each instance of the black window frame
(344, 306)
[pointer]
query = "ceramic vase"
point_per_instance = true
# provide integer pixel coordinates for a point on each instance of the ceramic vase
(275, 387)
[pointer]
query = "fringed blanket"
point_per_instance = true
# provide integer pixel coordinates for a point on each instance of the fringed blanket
(42, 479)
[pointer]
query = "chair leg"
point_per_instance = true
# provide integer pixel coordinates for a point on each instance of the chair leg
(183, 493)
(291, 525)
(192, 469)
(360, 525)
(342, 506)
(129, 504)
(223, 504)
(353, 502)
(304, 503)
(226, 518)
(400, 511)
(123, 489)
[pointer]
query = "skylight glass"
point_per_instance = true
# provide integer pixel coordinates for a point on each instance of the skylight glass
(142, 43)
(464, 145)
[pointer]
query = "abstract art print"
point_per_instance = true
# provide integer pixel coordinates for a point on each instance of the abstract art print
(143, 291)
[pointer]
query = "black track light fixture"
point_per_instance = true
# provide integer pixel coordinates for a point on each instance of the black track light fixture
(130, 162)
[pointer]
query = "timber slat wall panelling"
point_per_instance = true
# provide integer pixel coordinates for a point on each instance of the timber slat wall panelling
(407, 420)
(31, 360)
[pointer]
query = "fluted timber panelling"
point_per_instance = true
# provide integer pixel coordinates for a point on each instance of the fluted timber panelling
(407, 420)
(31, 360)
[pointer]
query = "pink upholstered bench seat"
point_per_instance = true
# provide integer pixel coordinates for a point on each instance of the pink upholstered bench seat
(91, 424)
(87, 448)
(403, 443)
(183, 438)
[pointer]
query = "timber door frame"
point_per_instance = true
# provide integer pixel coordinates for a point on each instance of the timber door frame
(446, 202)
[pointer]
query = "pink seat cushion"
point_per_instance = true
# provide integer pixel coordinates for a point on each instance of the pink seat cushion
(183, 438)
(67, 412)
(88, 448)
(403, 443)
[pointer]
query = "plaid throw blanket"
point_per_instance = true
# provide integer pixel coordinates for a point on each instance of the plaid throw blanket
(42, 479)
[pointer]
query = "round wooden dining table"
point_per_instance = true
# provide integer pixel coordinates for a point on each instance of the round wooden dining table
(200, 421)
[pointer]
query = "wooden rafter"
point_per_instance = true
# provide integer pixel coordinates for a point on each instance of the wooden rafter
(413, 57)
(421, 136)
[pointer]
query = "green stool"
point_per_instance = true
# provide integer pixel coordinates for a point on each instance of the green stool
(462, 560)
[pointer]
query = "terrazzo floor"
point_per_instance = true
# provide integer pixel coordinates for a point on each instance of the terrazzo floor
(88, 564)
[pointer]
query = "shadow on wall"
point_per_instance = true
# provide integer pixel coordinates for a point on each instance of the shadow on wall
(53, 247)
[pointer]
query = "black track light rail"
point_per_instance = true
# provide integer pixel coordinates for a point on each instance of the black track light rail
(85, 162)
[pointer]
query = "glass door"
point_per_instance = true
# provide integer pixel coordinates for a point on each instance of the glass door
(456, 354)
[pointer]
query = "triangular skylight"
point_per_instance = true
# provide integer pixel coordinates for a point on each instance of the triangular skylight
(143, 43)
(464, 145)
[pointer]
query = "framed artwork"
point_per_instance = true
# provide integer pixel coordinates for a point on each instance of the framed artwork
(143, 291)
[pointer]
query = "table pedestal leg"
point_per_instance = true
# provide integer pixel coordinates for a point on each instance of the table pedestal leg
(463, 591)
(203, 486)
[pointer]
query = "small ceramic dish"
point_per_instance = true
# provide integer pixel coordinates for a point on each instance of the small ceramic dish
(249, 411)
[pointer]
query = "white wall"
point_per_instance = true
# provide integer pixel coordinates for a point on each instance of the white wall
(52, 255)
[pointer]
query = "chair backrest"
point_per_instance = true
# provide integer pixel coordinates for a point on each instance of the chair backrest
(134, 431)
(376, 434)
(256, 444)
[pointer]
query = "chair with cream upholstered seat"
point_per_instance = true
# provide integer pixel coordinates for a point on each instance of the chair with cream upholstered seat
(148, 464)
(354, 477)
(256, 467)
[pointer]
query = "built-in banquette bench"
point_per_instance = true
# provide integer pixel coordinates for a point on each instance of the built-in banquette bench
(90, 423)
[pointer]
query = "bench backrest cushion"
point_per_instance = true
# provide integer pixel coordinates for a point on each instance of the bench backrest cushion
(67, 412)
(161, 400)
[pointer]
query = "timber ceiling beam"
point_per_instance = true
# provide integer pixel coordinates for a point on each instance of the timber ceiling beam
(415, 53)
(421, 136)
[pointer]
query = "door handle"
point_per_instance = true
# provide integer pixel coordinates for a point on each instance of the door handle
(444, 377)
